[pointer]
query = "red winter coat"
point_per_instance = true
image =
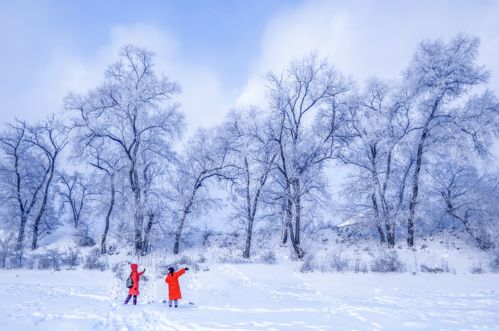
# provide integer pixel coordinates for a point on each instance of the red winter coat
(134, 290)
(173, 285)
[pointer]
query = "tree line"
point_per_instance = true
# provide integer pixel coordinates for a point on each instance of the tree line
(115, 155)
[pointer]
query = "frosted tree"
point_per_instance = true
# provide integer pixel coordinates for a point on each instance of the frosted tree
(468, 198)
(440, 78)
(32, 153)
(254, 158)
(306, 88)
(205, 157)
(133, 111)
(75, 193)
(50, 138)
(109, 165)
(378, 121)
(7, 246)
(23, 178)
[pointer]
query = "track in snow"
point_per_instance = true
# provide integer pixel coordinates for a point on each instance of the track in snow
(251, 297)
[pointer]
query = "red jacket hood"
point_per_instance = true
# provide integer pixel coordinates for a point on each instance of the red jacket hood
(134, 266)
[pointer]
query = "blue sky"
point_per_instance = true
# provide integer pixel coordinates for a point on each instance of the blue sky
(218, 50)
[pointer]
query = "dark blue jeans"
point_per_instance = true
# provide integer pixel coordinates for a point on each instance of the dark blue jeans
(128, 299)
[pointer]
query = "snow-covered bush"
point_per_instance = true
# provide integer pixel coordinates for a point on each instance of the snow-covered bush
(95, 260)
(308, 264)
(229, 240)
(359, 266)
(268, 257)
(71, 257)
(83, 238)
(443, 267)
(182, 262)
(334, 262)
(120, 270)
(202, 259)
(485, 240)
(477, 269)
(387, 261)
(112, 249)
(7, 241)
(231, 259)
(51, 259)
(494, 264)
(54, 258)
(206, 235)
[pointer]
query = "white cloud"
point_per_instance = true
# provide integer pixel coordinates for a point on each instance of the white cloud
(370, 38)
(202, 98)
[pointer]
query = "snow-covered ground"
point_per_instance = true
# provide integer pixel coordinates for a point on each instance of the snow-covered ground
(251, 297)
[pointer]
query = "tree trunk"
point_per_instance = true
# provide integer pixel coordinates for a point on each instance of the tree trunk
(249, 233)
(284, 221)
(292, 233)
(390, 234)
(378, 221)
(108, 216)
(296, 246)
(284, 234)
(36, 224)
(139, 208)
(23, 211)
(390, 219)
(249, 226)
(297, 211)
(289, 219)
(186, 211)
(417, 170)
(20, 240)
(374, 196)
(75, 213)
(415, 189)
(147, 231)
(178, 233)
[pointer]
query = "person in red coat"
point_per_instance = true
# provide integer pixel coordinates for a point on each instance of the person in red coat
(134, 290)
(174, 293)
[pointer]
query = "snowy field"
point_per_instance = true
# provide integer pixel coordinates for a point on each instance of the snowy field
(251, 297)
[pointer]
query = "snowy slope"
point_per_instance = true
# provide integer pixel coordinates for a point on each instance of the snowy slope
(251, 297)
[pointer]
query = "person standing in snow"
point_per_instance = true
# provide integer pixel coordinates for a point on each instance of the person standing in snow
(134, 290)
(174, 293)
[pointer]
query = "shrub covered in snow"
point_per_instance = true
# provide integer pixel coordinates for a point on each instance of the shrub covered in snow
(96, 261)
(477, 269)
(231, 259)
(54, 258)
(494, 264)
(268, 258)
(334, 262)
(359, 266)
(7, 242)
(308, 264)
(72, 257)
(51, 259)
(121, 270)
(182, 262)
(443, 267)
(387, 261)
(84, 238)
